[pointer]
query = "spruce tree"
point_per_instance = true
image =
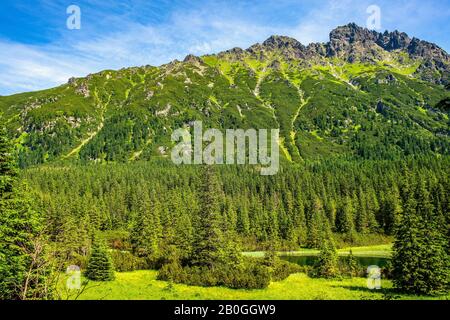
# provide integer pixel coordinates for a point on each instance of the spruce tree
(243, 222)
(314, 223)
(327, 264)
(392, 210)
(100, 266)
(352, 264)
(209, 244)
(345, 218)
(300, 221)
(22, 273)
(420, 261)
(435, 259)
(407, 245)
(146, 230)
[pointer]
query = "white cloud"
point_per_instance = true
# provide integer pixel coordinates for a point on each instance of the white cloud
(210, 29)
(24, 68)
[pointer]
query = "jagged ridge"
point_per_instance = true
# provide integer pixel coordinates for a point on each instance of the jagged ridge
(361, 94)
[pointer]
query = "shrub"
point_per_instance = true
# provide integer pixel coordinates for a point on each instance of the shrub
(327, 263)
(248, 275)
(117, 239)
(280, 269)
(283, 269)
(350, 267)
(125, 261)
(100, 267)
(173, 272)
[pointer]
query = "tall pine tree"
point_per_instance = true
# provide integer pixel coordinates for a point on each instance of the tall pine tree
(209, 247)
(146, 231)
(100, 266)
(420, 260)
(22, 275)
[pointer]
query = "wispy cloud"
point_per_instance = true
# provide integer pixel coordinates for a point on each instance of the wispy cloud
(25, 68)
(112, 39)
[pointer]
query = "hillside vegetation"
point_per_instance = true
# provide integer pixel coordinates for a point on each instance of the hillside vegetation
(362, 94)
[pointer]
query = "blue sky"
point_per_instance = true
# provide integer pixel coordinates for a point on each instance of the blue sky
(38, 51)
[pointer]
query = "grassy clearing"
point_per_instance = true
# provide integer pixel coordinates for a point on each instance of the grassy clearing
(142, 285)
(379, 251)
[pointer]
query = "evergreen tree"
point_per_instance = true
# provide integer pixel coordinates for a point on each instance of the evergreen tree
(327, 264)
(184, 235)
(271, 258)
(352, 264)
(100, 266)
(345, 218)
(392, 210)
(435, 260)
(243, 222)
(330, 210)
(22, 273)
(300, 222)
(420, 260)
(209, 244)
(407, 244)
(146, 231)
(315, 222)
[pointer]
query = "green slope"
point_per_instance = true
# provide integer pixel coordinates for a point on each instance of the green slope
(324, 106)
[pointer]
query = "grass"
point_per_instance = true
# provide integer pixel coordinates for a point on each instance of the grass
(378, 251)
(142, 285)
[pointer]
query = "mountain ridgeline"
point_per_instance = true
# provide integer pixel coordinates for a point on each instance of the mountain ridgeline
(363, 95)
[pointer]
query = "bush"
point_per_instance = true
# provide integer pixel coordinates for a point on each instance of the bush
(117, 239)
(173, 272)
(327, 263)
(77, 260)
(283, 269)
(280, 269)
(100, 267)
(248, 275)
(350, 267)
(125, 261)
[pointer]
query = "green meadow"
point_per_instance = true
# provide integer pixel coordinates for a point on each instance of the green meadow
(142, 285)
(379, 251)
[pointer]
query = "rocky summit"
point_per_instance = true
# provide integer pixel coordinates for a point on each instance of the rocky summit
(362, 94)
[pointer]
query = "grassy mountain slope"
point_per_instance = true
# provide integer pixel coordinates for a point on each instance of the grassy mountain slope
(362, 94)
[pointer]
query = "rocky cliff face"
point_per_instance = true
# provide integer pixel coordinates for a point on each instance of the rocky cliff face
(356, 43)
(353, 43)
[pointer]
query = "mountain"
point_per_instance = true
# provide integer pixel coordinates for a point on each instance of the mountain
(362, 94)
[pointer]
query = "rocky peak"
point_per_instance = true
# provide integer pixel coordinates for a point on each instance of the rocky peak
(190, 58)
(288, 47)
(393, 40)
(352, 33)
(235, 54)
(427, 50)
(351, 41)
(236, 51)
(282, 42)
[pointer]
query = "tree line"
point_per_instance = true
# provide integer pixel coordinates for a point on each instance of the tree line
(191, 220)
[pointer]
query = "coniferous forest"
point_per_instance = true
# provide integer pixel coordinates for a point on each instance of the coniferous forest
(91, 202)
